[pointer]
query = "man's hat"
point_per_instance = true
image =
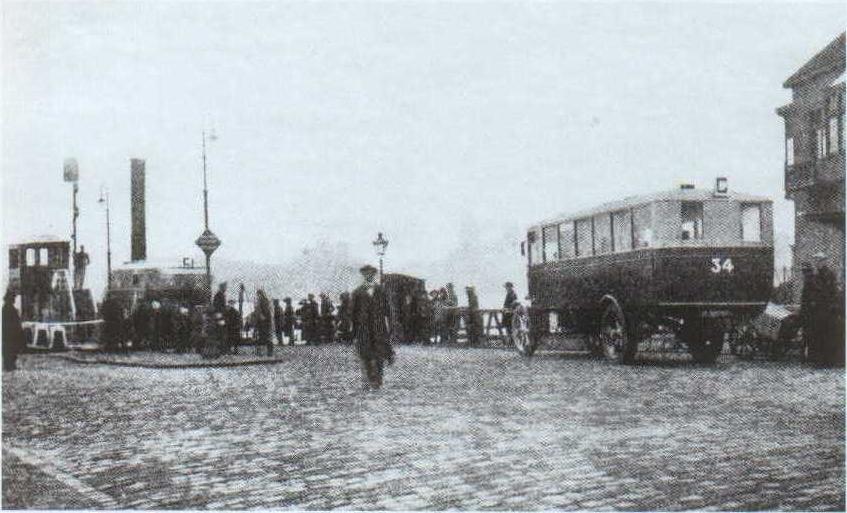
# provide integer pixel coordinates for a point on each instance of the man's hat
(368, 269)
(287, 300)
(509, 284)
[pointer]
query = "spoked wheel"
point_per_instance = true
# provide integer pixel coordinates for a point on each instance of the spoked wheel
(522, 337)
(612, 336)
(743, 342)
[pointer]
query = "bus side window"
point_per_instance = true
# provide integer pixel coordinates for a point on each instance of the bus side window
(622, 230)
(692, 220)
(534, 242)
(751, 223)
(30, 257)
(566, 240)
(642, 226)
(551, 243)
(13, 258)
(584, 243)
(602, 234)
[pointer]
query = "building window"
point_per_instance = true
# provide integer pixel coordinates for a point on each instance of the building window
(551, 243)
(833, 135)
(820, 142)
(584, 244)
(566, 241)
(622, 230)
(789, 151)
(692, 220)
(642, 226)
(751, 223)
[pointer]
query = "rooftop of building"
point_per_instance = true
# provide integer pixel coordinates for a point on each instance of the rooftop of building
(829, 59)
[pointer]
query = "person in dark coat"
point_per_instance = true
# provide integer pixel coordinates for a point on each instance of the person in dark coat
(233, 327)
(141, 326)
(263, 320)
(13, 333)
(422, 317)
(182, 329)
(508, 306)
(327, 322)
(345, 328)
(474, 322)
(113, 323)
(369, 308)
(288, 320)
(278, 321)
(825, 315)
(310, 320)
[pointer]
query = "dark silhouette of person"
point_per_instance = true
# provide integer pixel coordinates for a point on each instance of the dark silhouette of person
(81, 261)
(113, 323)
(310, 320)
(278, 321)
(13, 333)
(508, 307)
(264, 319)
(369, 307)
(327, 322)
(219, 302)
(233, 327)
(288, 320)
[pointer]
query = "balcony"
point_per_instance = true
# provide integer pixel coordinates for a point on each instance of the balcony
(816, 172)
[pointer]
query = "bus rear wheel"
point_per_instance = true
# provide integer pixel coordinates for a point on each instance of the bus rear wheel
(613, 337)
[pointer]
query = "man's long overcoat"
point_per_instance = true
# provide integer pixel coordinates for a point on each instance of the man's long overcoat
(369, 313)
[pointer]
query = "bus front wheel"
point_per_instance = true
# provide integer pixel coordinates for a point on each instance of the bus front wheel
(613, 337)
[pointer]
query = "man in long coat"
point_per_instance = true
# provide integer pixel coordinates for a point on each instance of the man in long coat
(288, 321)
(310, 320)
(369, 308)
(13, 333)
(264, 319)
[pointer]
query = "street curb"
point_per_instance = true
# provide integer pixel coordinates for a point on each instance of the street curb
(212, 364)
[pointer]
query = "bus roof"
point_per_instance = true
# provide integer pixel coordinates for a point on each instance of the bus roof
(671, 195)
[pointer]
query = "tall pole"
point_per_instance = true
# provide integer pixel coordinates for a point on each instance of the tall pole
(75, 215)
(380, 269)
(108, 246)
(206, 220)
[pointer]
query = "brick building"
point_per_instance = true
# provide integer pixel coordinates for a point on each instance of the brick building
(814, 157)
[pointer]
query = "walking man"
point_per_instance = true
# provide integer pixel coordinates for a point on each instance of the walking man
(288, 320)
(81, 261)
(278, 321)
(370, 326)
(327, 319)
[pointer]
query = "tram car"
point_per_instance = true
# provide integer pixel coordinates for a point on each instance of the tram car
(691, 262)
(403, 292)
(172, 285)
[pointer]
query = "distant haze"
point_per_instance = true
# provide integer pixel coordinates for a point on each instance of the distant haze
(449, 127)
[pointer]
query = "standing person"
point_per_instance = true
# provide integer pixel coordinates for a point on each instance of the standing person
(344, 327)
(278, 321)
(182, 329)
(508, 306)
(437, 308)
(327, 319)
(423, 314)
(233, 327)
(825, 314)
(808, 312)
(141, 326)
(263, 319)
(13, 333)
(113, 323)
(474, 323)
(288, 320)
(369, 308)
(310, 320)
(451, 317)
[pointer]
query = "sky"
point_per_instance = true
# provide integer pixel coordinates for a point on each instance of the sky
(419, 119)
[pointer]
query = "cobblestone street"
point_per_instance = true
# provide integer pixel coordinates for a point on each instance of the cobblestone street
(454, 428)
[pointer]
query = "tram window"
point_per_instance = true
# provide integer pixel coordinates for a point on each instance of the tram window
(622, 230)
(583, 238)
(534, 247)
(602, 234)
(566, 246)
(13, 259)
(692, 220)
(551, 243)
(642, 230)
(751, 223)
(30, 257)
(42, 257)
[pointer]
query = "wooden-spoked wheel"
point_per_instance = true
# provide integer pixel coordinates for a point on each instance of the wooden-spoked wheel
(522, 337)
(613, 337)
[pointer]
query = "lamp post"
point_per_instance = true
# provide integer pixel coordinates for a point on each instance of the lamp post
(380, 245)
(104, 200)
(208, 241)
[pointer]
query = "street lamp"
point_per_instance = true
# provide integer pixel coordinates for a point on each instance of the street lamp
(380, 245)
(104, 200)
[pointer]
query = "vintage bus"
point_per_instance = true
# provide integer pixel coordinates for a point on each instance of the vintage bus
(689, 261)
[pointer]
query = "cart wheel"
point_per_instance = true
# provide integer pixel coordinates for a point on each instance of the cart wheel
(742, 342)
(612, 336)
(522, 337)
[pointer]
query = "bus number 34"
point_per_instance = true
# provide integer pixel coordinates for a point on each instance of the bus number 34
(722, 265)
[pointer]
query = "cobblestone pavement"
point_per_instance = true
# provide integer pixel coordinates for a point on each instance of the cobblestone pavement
(453, 429)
